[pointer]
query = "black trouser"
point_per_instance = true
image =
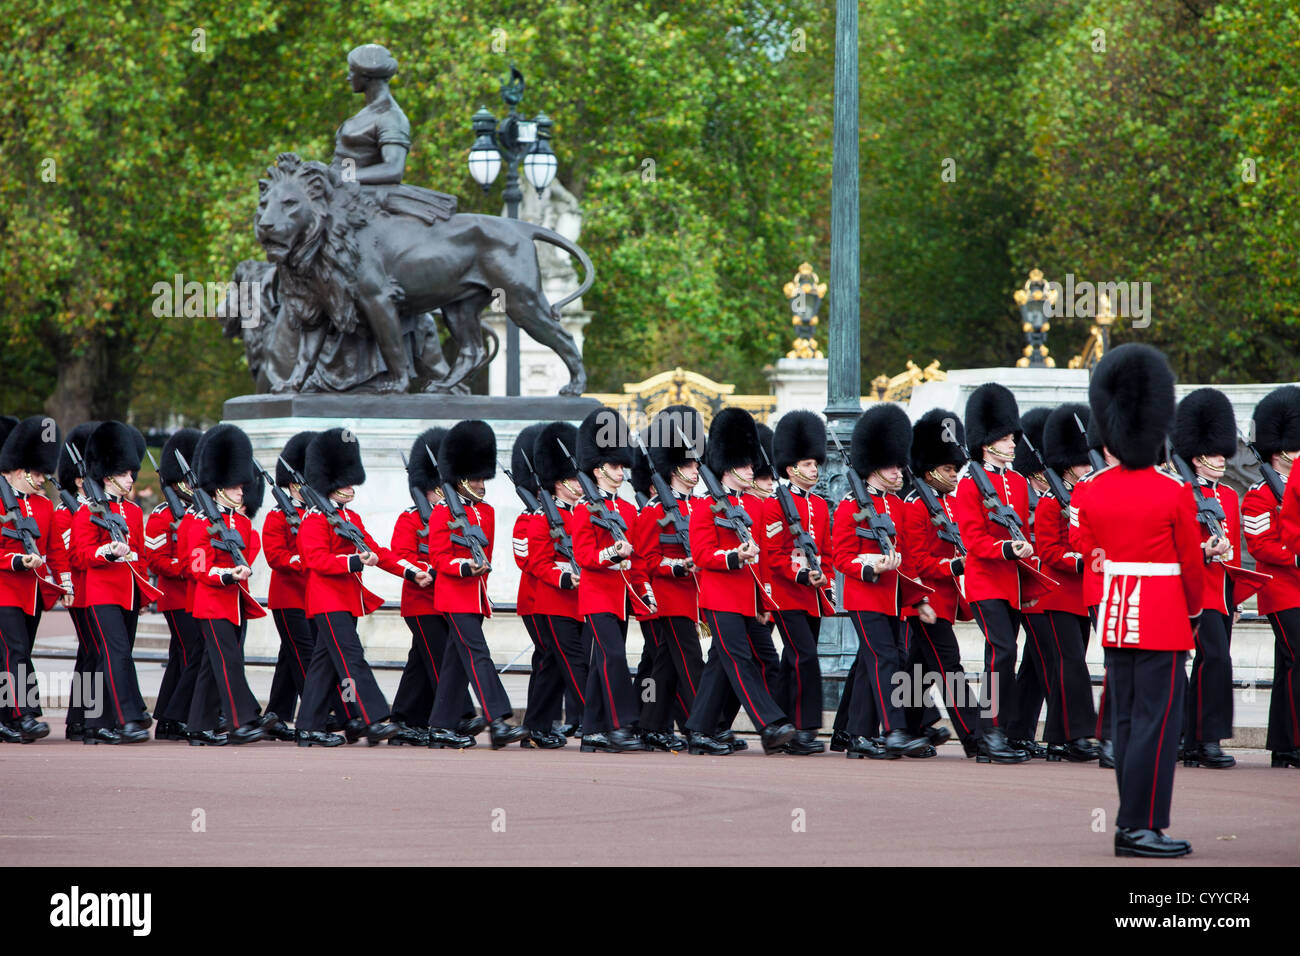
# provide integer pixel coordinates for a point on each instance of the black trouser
(113, 631)
(1209, 698)
(418, 689)
(676, 674)
(1033, 680)
(222, 685)
(1070, 712)
(1284, 702)
(880, 658)
(16, 648)
(179, 678)
(642, 689)
(338, 664)
(732, 666)
(85, 666)
(763, 650)
(1103, 711)
(1146, 689)
(801, 673)
(297, 647)
(610, 701)
(562, 670)
(1000, 622)
(934, 647)
(467, 663)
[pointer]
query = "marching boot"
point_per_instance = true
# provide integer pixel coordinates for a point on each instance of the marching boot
(707, 746)
(569, 730)
(133, 732)
(332, 724)
(471, 726)
(75, 731)
(1149, 843)
(1209, 754)
(1286, 758)
(865, 747)
(101, 735)
(805, 743)
(146, 721)
(354, 729)
(1031, 747)
(668, 743)
(440, 738)
(937, 736)
(994, 748)
(315, 738)
(594, 743)
(543, 740)
(10, 735)
(1081, 750)
(415, 736)
(223, 725)
(207, 738)
(732, 740)
(1056, 752)
(503, 734)
(31, 729)
(971, 747)
(839, 741)
(1106, 758)
(900, 742)
(278, 730)
(776, 736)
(166, 730)
(624, 740)
(249, 733)
(379, 731)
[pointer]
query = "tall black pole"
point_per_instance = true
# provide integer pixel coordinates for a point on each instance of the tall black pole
(844, 369)
(512, 197)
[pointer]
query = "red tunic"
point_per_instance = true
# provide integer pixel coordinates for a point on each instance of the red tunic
(783, 561)
(1060, 560)
(605, 587)
(288, 588)
(1215, 597)
(410, 546)
(163, 558)
(722, 586)
(19, 586)
(991, 569)
(334, 567)
(121, 582)
(524, 525)
(1081, 542)
(59, 559)
(864, 590)
(1261, 521)
(217, 595)
(457, 591)
(555, 591)
(664, 562)
(931, 557)
(1144, 523)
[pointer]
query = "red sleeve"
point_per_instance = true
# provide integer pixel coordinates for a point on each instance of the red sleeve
(56, 554)
(86, 540)
(387, 561)
(159, 549)
(1232, 511)
(520, 538)
(974, 525)
(844, 540)
(1291, 512)
(639, 574)
(588, 541)
(405, 544)
(775, 541)
(915, 526)
(1051, 541)
(705, 550)
(254, 545)
(314, 544)
(280, 543)
(542, 559)
(1262, 530)
(1187, 542)
(643, 534)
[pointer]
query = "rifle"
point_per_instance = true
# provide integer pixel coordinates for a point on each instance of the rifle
(1271, 477)
(422, 508)
(1208, 510)
(563, 543)
(102, 512)
(69, 499)
(879, 525)
(462, 532)
(224, 537)
(601, 516)
(282, 499)
(802, 539)
(1094, 457)
(25, 529)
(1054, 481)
(527, 497)
(998, 511)
(680, 531)
(173, 500)
(343, 528)
(947, 527)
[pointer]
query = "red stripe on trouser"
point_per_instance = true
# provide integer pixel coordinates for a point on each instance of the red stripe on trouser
(428, 651)
(992, 669)
(1160, 742)
(225, 676)
(573, 681)
(951, 705)
(1037, 660)
(604, 672)
(794, 652)
(346, 673)
(478, 687)
(762, 671)
(880, 696)
(108, 666)
(1290, 685)
(1065, 700)
(293, 644)
(682, 655)
(717, 631)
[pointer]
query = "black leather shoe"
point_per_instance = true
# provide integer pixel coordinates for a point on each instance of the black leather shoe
(333, 725)
(379, 732)
(247, 734)
(1153, 843)
(1106, 755)
(569, 730)
(971, 747)
(146, 721)
(503, 735)
(1056, 752)
(937, 736)
(10, 735)
(994, 748)
(839, 741)
(354, 729)
(776, 736)
(207, 738)
(168, 730)
(278, 730)
(657, 740)
(32, 729)
(101, 735)
(1209, 754)
(1081, 750)
(1031, 747)
(1286, 758)
(315, 738)
(133, 732)
(899, 741)
(471, 726)
(223, 725)
(703, 745)
(75, 731)
(860, 748)
(594, 743)
(732, 739)
(624, 740)
(543, 740)
(441, 738)
(414, 736)
(804, 744)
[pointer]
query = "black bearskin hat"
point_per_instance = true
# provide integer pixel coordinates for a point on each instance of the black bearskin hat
(77, 438)
(552, 464)
(882, 436)
(295, 453)
(333, 461)
(762, 464)
(1064, 446)
(185, 440)
(113, 448)
(799, 435)
(1204, 424)
(1096, 440)
(421, 471)
(668, 450)
(469, 452)
(1031, 427)
(603, 438)
(522, 454)
(7, 424)
(991, 414)
(254, 495)
(937, 439)
(223, 458)
(33, 444)
(639, 474)
(1277, 421)
(1132, 392)
(733, 441)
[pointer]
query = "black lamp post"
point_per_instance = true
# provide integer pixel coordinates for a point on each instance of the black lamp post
(510, 140)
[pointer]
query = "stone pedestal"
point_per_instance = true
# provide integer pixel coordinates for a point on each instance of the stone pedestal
(797, 383)
(386, 426)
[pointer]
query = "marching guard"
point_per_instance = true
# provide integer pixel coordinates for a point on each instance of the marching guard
(73, 578)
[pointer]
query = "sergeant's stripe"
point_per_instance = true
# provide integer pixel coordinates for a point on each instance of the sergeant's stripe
(1256, 524)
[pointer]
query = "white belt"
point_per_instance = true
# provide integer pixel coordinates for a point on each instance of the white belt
(1146, 569)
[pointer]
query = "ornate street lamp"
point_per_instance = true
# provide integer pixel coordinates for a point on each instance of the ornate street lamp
(805, 293)
(1031, 299)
